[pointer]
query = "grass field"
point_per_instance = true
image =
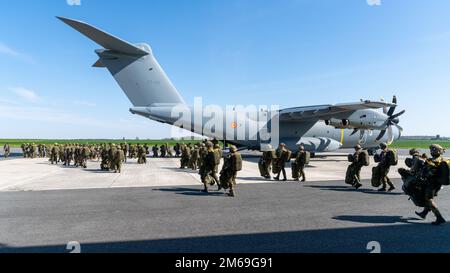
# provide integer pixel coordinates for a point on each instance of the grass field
(420, 144)
(400, 144)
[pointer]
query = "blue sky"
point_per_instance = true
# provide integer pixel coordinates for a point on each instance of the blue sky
(289, 53)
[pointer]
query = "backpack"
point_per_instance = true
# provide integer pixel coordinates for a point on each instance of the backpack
(307, 157)
(376, 177)
(392, 157)
(444, 177)
(364, 158)
(294, 168)
(217, 157)
(304, 158)
(238, 166)
(286, 156)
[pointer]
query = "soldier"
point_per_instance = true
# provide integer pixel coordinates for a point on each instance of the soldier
(119, 159)
(54, 154)
(185, 156)
(112, 157)
(6, 150)
(194, 158)
(155, 151)
(232, 167)
(384, 165)
(24, 150)
(104, 165)
(142, 155)
(433, 184)
(85, 154)
(359, 159)
(177, 150)
(163, 150)
(125, 148)
(207, 168)
(33, 150)
(283, 156)
(301, 160)
(265, 163)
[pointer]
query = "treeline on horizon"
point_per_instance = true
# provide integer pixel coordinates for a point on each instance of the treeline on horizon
(399, 144)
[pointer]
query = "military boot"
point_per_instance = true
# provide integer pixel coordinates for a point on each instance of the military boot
(439, 221)
(423, 214)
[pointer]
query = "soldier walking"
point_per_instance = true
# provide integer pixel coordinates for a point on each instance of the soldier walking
(6, 150)
(301, 160)
(283, 156)
(385, 160)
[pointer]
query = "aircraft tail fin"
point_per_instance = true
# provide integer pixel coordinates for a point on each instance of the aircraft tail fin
(134, 67)
(104, 39)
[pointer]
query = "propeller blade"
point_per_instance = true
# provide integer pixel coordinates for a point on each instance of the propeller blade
(392, 109)
(398, 115)
(390, 135)
(381, 135)
(354, 132)
(394, 100)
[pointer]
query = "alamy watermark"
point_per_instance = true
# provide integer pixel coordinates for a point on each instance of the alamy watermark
(232, 122)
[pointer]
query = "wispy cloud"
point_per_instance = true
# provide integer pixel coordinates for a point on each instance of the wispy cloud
(6, 50)
(374, 2)
(84, 103)
(25, 93)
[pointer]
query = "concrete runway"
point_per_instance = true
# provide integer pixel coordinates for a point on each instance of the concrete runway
(159, 208)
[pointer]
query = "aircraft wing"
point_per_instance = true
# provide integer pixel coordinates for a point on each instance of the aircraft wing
(324, 112)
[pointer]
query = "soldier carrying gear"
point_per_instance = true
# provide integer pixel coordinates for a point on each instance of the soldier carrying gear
(194, 158)
(54, 154)
(385, 160)
(358, 160)
(104, 165)
(112, 157)
(85, 154)
(232, 165)
(267, 159)
(119, 159)
(302, 159)
(424, 184)
(207, 167)
(155, 151)
(283, 156)
(185, 156)
(7, 150)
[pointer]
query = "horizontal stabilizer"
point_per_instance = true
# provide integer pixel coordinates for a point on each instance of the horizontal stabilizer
(104, 39)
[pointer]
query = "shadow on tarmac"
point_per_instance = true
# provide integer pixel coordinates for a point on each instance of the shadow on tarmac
(349, 189)
(395, 238)
(192, 191)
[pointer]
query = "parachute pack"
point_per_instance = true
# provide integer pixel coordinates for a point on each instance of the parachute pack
(286, 156)
(364, 158)
(238, 166)
(445, 173)
(376, 177)
(307, 157)
(392, 157)
(294, 167)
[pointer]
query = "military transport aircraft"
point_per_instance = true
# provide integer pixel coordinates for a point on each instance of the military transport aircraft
(320, 128)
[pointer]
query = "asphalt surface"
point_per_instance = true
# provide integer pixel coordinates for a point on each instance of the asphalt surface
(279, 217)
